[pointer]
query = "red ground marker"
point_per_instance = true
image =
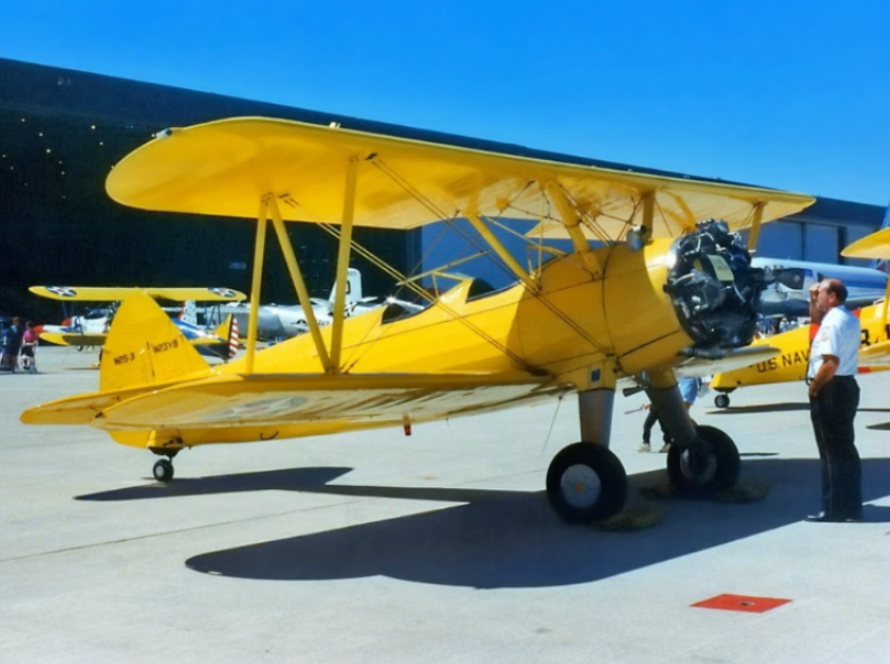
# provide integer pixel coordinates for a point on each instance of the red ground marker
(742, 603)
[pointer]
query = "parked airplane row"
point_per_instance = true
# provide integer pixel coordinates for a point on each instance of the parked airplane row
(225, 314)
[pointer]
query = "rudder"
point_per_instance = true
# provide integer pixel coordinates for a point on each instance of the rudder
(145, 347)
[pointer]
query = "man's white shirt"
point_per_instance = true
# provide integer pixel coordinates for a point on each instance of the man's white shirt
(839, 335)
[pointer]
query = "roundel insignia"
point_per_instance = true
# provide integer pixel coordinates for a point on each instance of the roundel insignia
(64, 291)
(222, 292)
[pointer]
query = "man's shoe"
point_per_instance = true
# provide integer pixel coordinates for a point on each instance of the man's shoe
(822, 517)
(665, 448)
(645, 447)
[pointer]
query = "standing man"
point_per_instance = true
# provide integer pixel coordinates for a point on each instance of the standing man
(834, 398)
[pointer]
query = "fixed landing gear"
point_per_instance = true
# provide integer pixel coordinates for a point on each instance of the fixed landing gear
(586, 482)
(721, 400)
(710, 464)
(163, 470)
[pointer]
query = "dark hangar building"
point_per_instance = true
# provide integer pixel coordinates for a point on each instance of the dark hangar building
(61, 131)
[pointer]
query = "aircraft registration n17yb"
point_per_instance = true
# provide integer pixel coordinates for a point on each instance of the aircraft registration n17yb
(791, 363)
(662, 290)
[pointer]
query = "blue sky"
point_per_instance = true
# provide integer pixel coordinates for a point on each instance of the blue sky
(790, 94)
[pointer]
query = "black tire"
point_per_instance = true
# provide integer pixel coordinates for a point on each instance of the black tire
(599, 479)
(707, 469)
(163, 470)
(721, 401)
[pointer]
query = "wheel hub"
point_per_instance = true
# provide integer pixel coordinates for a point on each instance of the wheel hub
(698, 464)
(581, 486)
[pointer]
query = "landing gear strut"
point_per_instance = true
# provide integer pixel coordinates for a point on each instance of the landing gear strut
(163, 468)
(586, 482)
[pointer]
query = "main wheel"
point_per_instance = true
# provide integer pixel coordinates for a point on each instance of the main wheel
(704, 468)
(586, 482)
(163, 470)
(721, 400)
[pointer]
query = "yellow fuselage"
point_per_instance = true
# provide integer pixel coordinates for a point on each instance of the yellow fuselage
(621, 320)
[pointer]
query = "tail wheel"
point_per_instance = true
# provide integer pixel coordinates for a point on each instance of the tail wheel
(721, 401)
(163, 470)
(711, 465)
(586, 482)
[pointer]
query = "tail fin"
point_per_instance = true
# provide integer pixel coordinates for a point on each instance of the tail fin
(353, 287)
(228, 330)
(189, 313)
(145, 347)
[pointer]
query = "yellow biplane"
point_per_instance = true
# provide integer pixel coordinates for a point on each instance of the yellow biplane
(647, 288)
(91, 329)
(794, 345)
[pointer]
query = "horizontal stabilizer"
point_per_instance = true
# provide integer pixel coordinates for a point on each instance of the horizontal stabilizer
(81, 409)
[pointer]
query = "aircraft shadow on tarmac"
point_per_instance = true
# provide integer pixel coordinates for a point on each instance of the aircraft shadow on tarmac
(503, 538)
(760, 408)
(778, 407)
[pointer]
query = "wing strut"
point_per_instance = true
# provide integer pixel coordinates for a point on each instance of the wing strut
(648, 211)
(500, 250)
(296, 276)
(257, 282)
(570, 217)
(343, 263)
(754, 234)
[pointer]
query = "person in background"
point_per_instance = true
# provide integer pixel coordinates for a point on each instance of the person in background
(29, 343)
(689, 388)
(10, 358)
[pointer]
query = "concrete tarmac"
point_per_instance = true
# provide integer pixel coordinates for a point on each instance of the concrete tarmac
(438, 547)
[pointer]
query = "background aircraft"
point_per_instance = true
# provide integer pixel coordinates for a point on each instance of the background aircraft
(668, 283)
(91, 328)
(787, 294)
(276, 322)
(794, 345)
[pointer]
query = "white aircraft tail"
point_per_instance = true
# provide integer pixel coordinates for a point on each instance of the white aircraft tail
(353, 287)
(189, 313)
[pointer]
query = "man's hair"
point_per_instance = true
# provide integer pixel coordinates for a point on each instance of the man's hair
(16, 320)
(837, 287)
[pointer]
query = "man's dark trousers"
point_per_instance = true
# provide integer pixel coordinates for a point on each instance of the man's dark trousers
(832, 413)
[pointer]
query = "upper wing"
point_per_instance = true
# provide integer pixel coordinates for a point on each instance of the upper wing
(226, 167)
(875, 246)
(113, 294)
